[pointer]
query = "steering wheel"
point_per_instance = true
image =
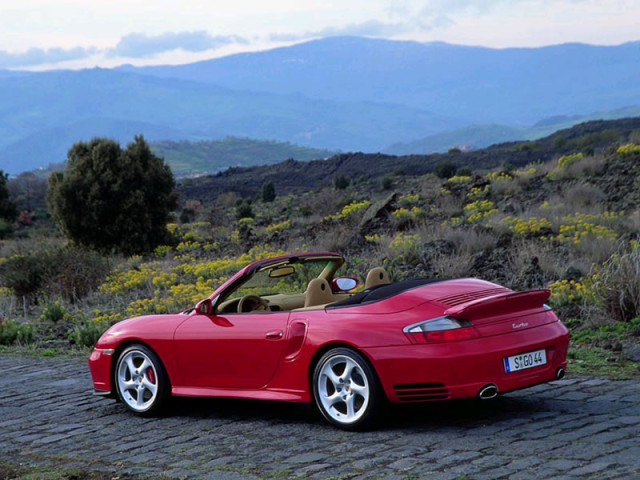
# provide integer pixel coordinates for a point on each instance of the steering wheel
(253, 303)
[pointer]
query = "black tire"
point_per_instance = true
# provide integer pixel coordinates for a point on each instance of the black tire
(345, 389)
(141, 381)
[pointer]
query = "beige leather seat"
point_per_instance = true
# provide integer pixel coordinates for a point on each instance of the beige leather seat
(376, 276)
(318, 293)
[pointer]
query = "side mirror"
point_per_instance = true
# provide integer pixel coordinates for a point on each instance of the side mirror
(344, 284)
(204, 307)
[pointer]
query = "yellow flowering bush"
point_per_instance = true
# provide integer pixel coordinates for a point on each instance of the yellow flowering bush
(498, 176)
(578, 226)
(566, 160)
(349, 209)
(528, 171)
(547, 206)
(567, 292)
(408, 199)
(404, 245)
(54, 312)
(478, 192)
(187, 246)
(459, 179)
(628, 150)
(479, 210)
(276, 227)
(402, 214)
(162, 251)
(172, 228)
(155, 288)
(530, 227)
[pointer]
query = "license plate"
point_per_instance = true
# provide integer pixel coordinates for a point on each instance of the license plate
(525, 360)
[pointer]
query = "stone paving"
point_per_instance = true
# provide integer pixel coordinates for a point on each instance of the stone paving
(580, 427)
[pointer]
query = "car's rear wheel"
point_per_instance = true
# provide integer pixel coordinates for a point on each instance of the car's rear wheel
(345, 389)
(141, 380)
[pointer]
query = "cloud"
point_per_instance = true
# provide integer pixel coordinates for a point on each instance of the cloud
(371, 28)
(138, 45)
(39, 56)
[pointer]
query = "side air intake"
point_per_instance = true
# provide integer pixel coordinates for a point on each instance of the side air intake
(421, 392)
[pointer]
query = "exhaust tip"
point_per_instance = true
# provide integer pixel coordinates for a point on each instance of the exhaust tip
(559, 373)
(488, 392)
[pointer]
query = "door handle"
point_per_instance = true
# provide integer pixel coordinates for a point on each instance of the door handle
(274, 335)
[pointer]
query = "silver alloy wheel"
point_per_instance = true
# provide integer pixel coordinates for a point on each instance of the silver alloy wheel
(137, 380)
(343, 389)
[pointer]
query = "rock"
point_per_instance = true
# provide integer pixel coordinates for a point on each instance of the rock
(631, 351)
(375, 211)
(533, 276)
(573, 273)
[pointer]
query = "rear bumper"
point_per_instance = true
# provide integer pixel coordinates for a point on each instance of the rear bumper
(444, 371)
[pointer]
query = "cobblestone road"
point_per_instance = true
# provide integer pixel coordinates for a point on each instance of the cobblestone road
(580, 427)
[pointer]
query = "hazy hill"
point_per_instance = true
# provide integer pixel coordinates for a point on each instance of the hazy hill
(187, 158)
(516, 86)
(341, 93)
(43, 114)
(480, 136)
(293, 176)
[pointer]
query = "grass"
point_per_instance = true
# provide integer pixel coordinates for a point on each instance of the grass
(12, 471)
(36, 350)
(597, 350)
(598, 361)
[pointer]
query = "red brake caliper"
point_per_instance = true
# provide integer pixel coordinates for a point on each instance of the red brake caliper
(150, 375)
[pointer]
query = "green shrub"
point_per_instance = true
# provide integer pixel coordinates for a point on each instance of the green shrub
(24, 274)
(243, 209)
(386, 182)
(616, 287)
(75, 272)
(465, 171)
(305, 211)
(268, 192)
(445, 169)
(53, 312)
(6, 229)
(109, 198)
(69, 272)
(12, 332)
(87, 332)
(341, 182)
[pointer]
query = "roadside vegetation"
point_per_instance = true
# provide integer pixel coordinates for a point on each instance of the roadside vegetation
(10, 471)
(570, 224)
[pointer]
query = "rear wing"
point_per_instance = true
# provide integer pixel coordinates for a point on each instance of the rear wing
(501, 304)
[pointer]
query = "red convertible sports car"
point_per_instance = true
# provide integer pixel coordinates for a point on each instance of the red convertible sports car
(289, 329)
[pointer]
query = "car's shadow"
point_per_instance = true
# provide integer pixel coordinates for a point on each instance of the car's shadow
(392, 416)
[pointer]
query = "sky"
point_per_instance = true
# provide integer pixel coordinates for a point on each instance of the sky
(45, 34)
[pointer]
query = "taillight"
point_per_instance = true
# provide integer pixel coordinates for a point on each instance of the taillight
(441, 329)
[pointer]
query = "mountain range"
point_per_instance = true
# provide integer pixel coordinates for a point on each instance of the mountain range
(340, 93)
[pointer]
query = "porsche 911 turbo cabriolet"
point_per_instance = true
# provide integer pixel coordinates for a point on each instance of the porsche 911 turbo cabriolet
(290, 329)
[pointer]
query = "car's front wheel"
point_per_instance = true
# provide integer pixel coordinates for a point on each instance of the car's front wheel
(345, 389)
(141, 380)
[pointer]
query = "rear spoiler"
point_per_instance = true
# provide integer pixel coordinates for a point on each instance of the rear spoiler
(501, 304)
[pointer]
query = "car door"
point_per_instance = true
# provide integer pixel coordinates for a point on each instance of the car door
(239, 350)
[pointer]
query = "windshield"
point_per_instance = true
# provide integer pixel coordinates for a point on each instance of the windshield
(286, 278)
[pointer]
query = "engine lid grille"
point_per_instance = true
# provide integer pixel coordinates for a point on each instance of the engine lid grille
(459, 299)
